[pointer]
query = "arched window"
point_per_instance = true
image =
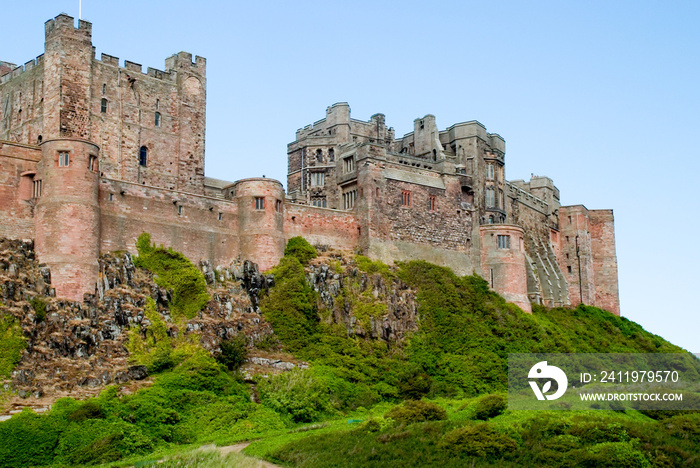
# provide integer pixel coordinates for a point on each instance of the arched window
(319, 155)
(331, 155)
(157, 119)
(103, 105)
(143, 156)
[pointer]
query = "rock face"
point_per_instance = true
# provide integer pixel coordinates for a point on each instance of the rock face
(77, 348)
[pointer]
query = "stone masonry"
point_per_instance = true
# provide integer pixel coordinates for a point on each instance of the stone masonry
(93, 152)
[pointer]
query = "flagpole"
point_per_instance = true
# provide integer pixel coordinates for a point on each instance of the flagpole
(80, 9)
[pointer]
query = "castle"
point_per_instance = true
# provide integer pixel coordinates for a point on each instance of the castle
(92, 153)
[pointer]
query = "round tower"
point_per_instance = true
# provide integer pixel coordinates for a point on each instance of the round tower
(503, 262)
(260, 220)
(67, 215)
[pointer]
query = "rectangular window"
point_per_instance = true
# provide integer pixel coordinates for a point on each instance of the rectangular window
(490, 171)
(278, 206)
(111, 197)
(568, 268)
(259, 203)
(36, 188)
(405, 198)
(180, 210)
(318, 179)
(221, 216)
(432, 201)
(348, 164)
(490, 198)
(504, 242)
(63, 158)
(569, 219)
(92, 163)
(349, 199)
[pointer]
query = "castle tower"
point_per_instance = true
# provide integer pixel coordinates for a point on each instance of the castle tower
(503, 262)
(67, 217)
(260, 220)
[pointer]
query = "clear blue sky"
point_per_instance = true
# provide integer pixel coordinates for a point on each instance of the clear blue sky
(603, 97)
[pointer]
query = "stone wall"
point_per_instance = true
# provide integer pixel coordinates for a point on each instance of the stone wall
(604, 260)
(18, 165)
(322, 226)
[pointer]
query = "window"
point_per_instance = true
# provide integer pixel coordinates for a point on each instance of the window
(569, 219)
(92, 163)
(157, 120)
(319, 155)
(319, 202)
(63, 158)
(143, 156)
(349, 199)
(490, 198)
(331, 155)
(111, 197)
(157, 104)
(318, 179)
(432, 201)
(568, 268)
(348, 164)
(405, 198)
(103, 105)
(490, 171)
(278, 206)
(104, 88)
(221, 216)
(259, 203)
(504, 242)
(180, 210)
(567, 238)
(36, 188)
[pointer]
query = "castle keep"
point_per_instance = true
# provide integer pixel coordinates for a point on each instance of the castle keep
(92, 153)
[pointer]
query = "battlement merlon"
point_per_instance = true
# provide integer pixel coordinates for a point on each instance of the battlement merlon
(65, 24)
(183, 61)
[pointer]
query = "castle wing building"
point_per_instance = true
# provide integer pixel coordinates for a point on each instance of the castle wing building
(94, 152)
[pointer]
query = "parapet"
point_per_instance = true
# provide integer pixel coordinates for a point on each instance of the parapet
(9, 71)
(183, 60)
(64, 23)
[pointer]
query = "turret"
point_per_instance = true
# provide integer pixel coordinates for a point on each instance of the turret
(503, 262)
(261, 220)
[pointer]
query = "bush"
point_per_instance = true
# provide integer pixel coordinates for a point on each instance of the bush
(88, 410)
(414, 384)
(414, 411)
(12, 343)
(490, 406)
(174, 271)
(39, 306)
(480, 440)
(233, 352)
(300, 249)
(297, 394)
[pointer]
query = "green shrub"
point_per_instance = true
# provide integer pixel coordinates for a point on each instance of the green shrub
(91, 409)
(12, 343)
(480, 440)
(414, 384)
(300, 249)
(490, 406)
(39, 306)
(414, 411)
(29, 440)
(233, 352)
(373, 266)
(297, 394)
(174, 271)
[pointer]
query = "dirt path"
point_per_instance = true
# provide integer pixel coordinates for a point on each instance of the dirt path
(238, 448)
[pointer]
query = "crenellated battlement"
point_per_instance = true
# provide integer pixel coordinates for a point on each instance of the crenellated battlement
(173, 65)
(65, 24)
(15, 71)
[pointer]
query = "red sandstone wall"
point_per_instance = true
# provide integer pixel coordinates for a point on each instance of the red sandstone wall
(130, 209)
(509, 277)
(21, 105)
(576, 254)
(320, 226)
(16, 204)
(604, 260)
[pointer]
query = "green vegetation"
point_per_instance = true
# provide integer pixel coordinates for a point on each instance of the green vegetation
(413, 411)
(158, 351)
(39, 305)
(233, 352)
(12, 343)
(300, 249)
(172, 270)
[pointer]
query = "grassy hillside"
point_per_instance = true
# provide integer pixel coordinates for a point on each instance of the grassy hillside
(433, 399)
